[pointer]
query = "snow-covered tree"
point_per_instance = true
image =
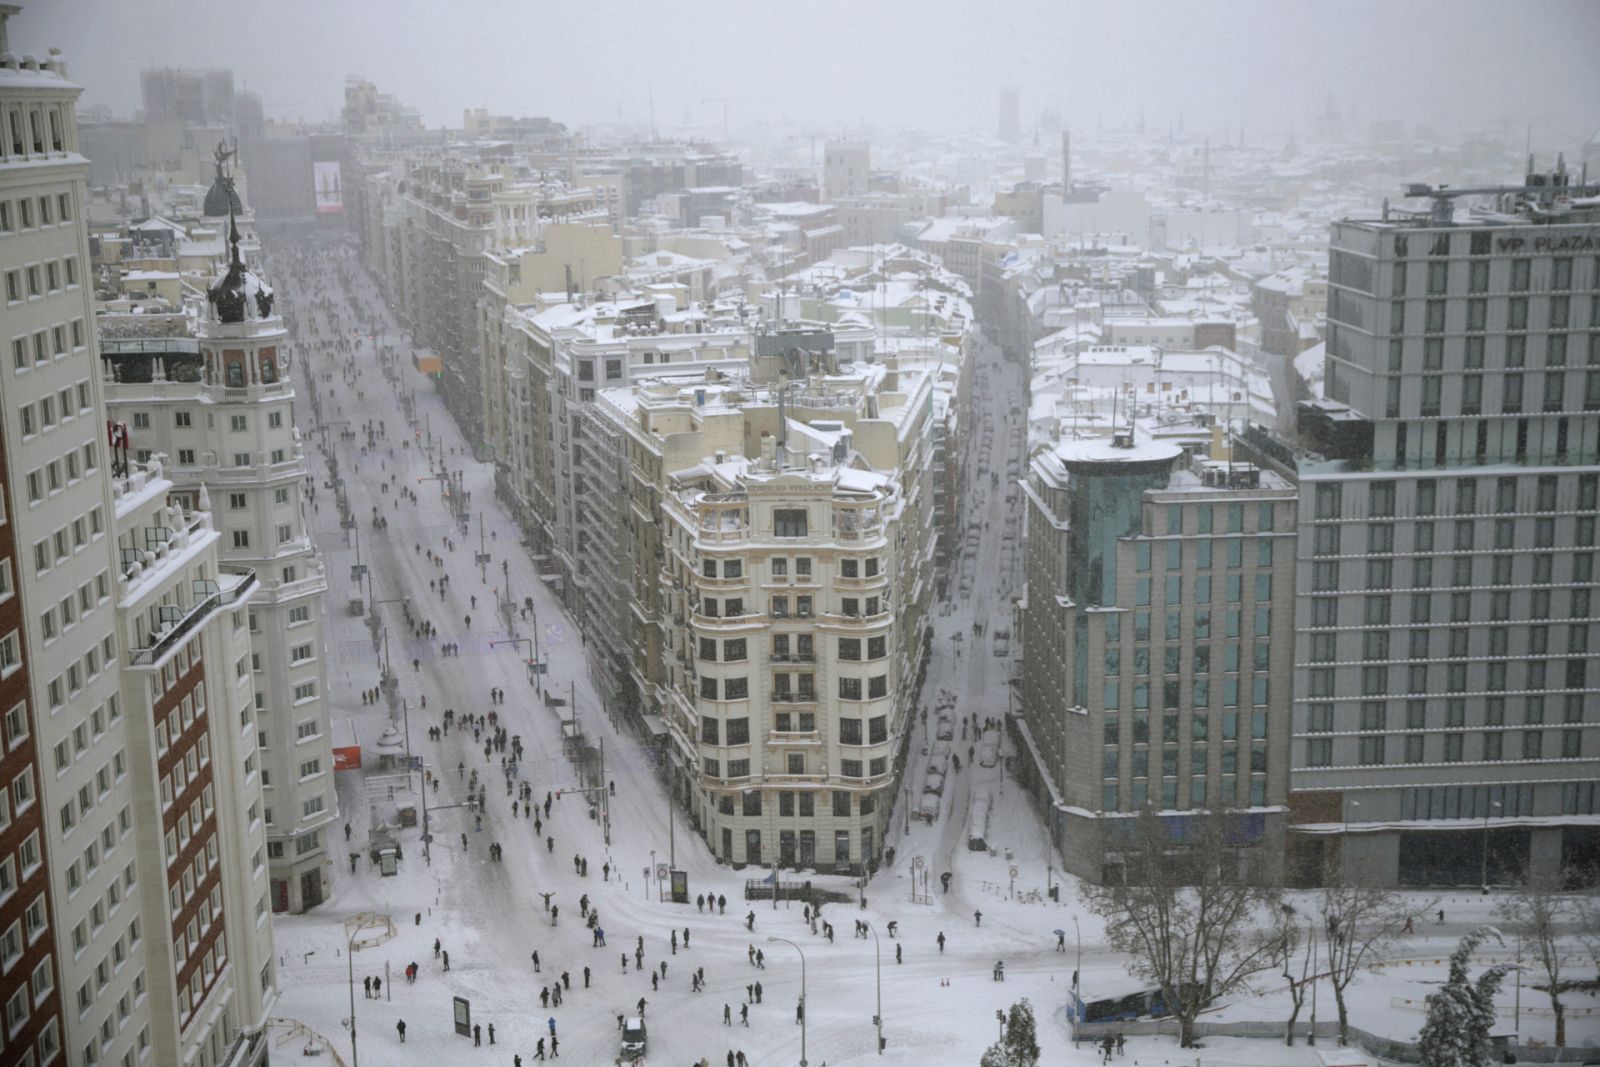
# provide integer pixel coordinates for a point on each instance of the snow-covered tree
(1019, 1045)
(1461, 1013)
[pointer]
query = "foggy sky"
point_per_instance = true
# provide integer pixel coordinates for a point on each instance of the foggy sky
(938, 64)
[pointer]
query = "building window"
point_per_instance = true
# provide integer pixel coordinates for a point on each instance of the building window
(789, 522)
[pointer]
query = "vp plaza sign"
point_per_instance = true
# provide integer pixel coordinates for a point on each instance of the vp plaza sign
(1576, 242)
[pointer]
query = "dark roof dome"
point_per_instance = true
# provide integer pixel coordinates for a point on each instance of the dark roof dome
(238, 288)
(221, 199)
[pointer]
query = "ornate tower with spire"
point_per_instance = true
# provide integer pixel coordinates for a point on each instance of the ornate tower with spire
(254, 467)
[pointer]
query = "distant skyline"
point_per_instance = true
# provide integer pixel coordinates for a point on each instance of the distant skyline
(830, 64)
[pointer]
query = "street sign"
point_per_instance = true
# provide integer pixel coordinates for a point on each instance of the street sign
(1013, 870)
(663, 872)
(916, 863)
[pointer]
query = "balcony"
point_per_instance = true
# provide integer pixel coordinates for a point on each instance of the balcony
(177, 624)
(793, 657)
(727, 622)
(788, 697)
(795, 737)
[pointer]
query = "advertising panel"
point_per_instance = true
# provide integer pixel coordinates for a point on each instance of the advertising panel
(325, 179)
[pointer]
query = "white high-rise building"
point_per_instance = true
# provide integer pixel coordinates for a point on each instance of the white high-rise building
(133, 921)
(1448, 633)
(63, 571)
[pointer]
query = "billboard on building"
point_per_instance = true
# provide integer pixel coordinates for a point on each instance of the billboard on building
(326, 180)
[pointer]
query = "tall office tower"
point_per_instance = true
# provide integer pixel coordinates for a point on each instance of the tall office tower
(1158, 591)
(61, 658)
(1010, 125)
(1449, 655)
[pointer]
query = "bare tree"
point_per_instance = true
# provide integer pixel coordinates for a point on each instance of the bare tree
(1291, 943)
(1538, 909)
(1193, 922)
(1360, 926)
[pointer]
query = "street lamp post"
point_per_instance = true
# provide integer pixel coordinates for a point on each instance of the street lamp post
(877, 962)
(797, 948)
(1483, 873)
(350, 970)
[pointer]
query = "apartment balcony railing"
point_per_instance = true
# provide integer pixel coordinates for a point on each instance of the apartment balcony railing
(173, 632)
(794, 737)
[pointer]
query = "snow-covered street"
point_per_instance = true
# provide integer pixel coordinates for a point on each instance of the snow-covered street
(490, 916)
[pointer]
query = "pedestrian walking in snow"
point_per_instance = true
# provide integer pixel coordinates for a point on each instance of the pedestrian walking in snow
(624, 963)
(722, 904)
(566, 980)
(685, 937)
(535, 961)
(544, 997)
(447, 961)
(366, 987)
(551, 1022)
(744, 1014)
(400, 1025)
(586, 978)
(897, 949)
(800, 1011)
(491, 1033)
(538, 1049)
(674, 942)
(555, 1046)
(758, 992)
(977, 918)
(700, 902)
(750, 953)
(761, 960)
(940, 939)
(377, 988)
(750, 921)
(642, 1003)
(750, 994)
(655, 981)
(477, 1035)
(1061, 941)
(727, 1015)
